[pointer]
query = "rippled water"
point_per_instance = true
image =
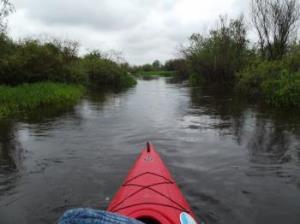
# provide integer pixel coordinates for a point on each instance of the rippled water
(234, 162)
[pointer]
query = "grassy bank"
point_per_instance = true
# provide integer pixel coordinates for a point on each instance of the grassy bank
(23, 98)
(35, 73)
(153, 74)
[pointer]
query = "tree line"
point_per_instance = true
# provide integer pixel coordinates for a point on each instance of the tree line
(268, 68)
(31, 61)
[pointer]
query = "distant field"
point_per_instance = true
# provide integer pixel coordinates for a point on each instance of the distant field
(151, 74)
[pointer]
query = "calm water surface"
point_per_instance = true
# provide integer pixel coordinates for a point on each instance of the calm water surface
(234, 162)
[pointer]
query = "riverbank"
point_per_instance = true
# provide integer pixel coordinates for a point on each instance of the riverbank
(23, 98)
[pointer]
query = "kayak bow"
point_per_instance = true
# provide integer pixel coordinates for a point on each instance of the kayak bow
(150, 194)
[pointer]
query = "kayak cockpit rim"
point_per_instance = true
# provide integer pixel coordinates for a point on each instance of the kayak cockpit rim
(148, 220)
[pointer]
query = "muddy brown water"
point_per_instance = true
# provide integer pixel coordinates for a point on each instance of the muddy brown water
(235, 162)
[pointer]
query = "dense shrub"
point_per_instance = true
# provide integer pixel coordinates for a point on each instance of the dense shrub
(273, 81)
(104, 72)
(250, 79)
(6, 45)
(170, 65)
(32, 61)
(282, 91)
(292, 58)
(182, 69)
(218, 56)
(196, 80)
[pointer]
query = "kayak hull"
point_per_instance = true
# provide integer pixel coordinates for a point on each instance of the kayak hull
(150, 194)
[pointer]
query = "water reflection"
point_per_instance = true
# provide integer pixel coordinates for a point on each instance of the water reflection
(266, 134)
(269, 144)
(13, 133)
(10, 156)
(263, 164)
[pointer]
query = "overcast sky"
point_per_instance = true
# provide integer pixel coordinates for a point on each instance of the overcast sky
(143, 30)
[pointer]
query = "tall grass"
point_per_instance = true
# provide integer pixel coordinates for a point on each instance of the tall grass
(26, 97)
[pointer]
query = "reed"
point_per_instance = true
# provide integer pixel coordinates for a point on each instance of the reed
(26, 97)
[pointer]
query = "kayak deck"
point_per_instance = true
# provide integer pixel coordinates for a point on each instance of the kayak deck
(150, 194)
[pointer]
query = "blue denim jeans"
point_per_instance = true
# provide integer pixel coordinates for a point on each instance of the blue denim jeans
(91, 216)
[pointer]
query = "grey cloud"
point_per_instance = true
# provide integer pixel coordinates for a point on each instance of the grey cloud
(102, 15)
(144, 30)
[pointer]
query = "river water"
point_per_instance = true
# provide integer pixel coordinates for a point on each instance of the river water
(235, 162)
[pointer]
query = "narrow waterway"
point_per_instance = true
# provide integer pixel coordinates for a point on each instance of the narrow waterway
(236, 163)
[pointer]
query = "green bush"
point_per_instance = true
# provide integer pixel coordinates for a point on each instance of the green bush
(272, 81)
(250, 79)
(182, 69)
(282, 91)
(196, 80)
(292, 58)
(32, 61)
(6, 45)
(218, 56)
(105, 72)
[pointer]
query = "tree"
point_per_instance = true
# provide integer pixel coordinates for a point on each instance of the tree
(275, 22)
(218, 56)
(147, 67)
(156, 65)
(170, 65)
(5, 9)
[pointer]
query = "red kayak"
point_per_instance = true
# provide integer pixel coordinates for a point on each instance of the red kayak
(150, 194)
